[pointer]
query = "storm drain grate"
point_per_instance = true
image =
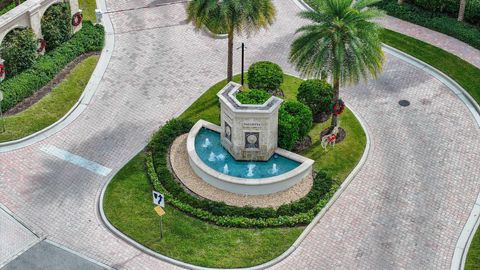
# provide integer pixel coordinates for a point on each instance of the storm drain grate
(404, 103)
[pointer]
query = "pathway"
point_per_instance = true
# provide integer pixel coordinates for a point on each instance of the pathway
(406, 207)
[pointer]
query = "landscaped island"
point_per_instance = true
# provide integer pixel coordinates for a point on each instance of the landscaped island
(210, 233)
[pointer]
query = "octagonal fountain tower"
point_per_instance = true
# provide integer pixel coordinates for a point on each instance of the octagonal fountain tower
(248, 132)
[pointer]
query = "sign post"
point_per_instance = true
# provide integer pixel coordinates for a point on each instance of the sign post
(159, 200)
(160, 213)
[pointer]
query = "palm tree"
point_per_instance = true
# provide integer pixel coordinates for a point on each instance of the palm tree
(342, 44)
(461, 10)
(231, 16)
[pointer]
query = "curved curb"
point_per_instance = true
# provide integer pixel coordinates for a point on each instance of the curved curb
(274, 261)
(213, 35)
(473, 221)
(82, 102)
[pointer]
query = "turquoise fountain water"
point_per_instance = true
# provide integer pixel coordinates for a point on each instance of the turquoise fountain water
(212, 153)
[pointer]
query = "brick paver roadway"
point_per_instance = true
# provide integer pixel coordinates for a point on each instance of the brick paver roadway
(405, 209)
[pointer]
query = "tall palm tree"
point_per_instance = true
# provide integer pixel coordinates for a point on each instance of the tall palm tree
(342, 44)
(231, 16)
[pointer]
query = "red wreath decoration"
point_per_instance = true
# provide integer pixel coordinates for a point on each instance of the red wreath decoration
(77, 19)
(331, 138)
(338, 107)
(42, 44)
(2, 70)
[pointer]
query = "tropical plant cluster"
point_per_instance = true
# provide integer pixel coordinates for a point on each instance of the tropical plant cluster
(56, 25)
(443, 23)
(18, 50)
(451, 7)
(300, 212)
(89, 38)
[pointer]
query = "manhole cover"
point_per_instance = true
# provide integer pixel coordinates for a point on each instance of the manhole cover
(404, 103)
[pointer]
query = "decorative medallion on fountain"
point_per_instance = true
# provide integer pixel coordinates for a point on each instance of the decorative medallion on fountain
(248, 132)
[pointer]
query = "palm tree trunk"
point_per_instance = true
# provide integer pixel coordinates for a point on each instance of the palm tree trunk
(230, 56)
(336, 94)
(400, 2)
(461, 11)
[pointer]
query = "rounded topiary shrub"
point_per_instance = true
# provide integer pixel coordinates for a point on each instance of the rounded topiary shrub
(294, 123)
(317, 95)
(253, 96)
(265, 75)
(19, 50)
(56, 28)
(302, 115)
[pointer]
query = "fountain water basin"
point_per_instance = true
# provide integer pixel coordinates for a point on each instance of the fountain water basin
(215, 165)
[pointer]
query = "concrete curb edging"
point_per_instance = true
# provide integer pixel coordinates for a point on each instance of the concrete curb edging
(82, 102)
(280, 258)
(213, 35)
(473, 222)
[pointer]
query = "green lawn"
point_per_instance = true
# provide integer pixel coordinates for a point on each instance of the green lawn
(53, 106)
(473, 257)
(129, 208)
(88, 9)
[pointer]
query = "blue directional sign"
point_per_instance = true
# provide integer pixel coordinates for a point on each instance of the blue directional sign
(158, 198)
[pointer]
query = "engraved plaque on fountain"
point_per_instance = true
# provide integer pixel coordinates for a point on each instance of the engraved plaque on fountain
(252, 140)
(228, 132)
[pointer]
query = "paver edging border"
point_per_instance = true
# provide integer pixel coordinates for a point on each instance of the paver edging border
(82, 102)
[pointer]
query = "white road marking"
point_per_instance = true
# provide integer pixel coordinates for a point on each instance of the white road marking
(77, 160)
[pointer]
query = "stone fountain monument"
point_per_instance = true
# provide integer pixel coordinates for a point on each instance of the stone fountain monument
(248, 132)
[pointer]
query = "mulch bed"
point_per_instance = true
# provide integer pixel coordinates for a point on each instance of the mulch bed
(302, 144)
(321, 117)
(38, 95)
(340, 136)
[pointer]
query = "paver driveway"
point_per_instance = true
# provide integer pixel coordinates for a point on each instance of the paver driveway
(406, 207)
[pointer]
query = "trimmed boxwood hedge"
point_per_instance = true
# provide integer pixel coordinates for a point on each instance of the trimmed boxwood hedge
(265, 75)
(90, 38)
(440, 22)
(300, 212)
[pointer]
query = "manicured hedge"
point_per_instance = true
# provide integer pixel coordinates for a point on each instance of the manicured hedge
(300, 212)
(90, 38)
(442, 23)
(253, 96)
(294, 122)
(19, 50)
(265, 75)
(56, 25)
(317, 95)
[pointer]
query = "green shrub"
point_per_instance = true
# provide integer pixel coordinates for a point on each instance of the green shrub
(265, 75)
(300, 212)
(89, 39)
(19, 50)
(302, 115)
(253, 96)
(316, 94)
(56, 28)
(451, 7)
(442, 23)
(287, 130)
